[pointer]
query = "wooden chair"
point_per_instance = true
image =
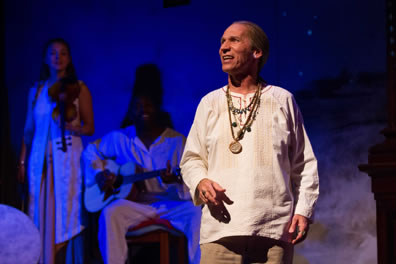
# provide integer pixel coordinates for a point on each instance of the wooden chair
(162, 232)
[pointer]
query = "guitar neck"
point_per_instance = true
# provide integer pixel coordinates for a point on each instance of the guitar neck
(142, 176)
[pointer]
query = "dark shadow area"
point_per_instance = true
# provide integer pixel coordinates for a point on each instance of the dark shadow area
(149, 253)
(174, 3)
(220, 212)
(9, 192)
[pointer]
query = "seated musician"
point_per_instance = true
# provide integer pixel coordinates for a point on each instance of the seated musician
(150, 145)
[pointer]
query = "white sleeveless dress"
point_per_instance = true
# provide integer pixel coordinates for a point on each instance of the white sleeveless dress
(55, 180)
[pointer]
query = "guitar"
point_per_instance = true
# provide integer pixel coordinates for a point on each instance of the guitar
(96, 199)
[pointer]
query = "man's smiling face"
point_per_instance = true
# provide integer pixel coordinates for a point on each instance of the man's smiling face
(236, 53)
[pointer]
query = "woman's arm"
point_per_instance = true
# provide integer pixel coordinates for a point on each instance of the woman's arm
(28, 131)
(86, 111)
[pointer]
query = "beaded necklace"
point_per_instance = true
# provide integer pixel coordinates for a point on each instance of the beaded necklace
(237, 111)
(236, 147)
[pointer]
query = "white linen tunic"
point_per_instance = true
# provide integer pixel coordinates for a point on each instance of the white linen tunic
(166, 201)
(274, 177)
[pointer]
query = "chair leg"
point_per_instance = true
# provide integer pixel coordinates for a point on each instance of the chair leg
(164, 248)
(165, 240)
(180, 250)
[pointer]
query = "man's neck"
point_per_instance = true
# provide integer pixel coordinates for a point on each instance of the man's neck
(242, 84)
(147, 133)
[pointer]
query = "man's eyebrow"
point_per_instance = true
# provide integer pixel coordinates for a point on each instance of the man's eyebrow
(231, 38)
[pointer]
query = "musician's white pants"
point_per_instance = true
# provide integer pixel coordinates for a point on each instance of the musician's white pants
(121, 214)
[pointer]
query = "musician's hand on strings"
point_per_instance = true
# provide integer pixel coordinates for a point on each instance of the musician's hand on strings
(168, 176)
(106, 180)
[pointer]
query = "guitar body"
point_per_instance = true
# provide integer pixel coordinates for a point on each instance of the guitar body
(95, 199)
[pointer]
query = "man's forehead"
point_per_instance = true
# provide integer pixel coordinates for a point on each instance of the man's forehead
(236, 30)
(57, 46)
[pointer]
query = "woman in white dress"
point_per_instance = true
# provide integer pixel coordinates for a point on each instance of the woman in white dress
(59, 113)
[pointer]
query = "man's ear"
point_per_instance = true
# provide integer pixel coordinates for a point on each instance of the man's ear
(257, 54)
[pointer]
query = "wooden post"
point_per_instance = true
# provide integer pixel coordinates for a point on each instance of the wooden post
(381, 165)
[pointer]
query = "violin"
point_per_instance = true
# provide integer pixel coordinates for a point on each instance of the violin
(64, 92)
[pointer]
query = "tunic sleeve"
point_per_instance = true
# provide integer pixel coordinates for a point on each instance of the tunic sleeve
(96, 154)
(182, 190)
(304, 171)
(194, 163)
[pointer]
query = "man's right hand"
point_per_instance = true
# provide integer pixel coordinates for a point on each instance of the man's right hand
(210, 191)
(106, 180)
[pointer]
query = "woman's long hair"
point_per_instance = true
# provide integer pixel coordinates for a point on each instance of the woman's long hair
(45, 70)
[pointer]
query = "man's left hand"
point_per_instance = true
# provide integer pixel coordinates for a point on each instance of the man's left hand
(300, 224)
(168, 176)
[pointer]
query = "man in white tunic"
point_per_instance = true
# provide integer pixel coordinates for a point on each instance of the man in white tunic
(248, 161)
(151, 146)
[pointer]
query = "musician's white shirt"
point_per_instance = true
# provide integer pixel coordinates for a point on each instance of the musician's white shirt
(167, 201)
(124, 146)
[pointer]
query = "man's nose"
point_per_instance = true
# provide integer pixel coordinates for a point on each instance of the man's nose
(224, 47)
